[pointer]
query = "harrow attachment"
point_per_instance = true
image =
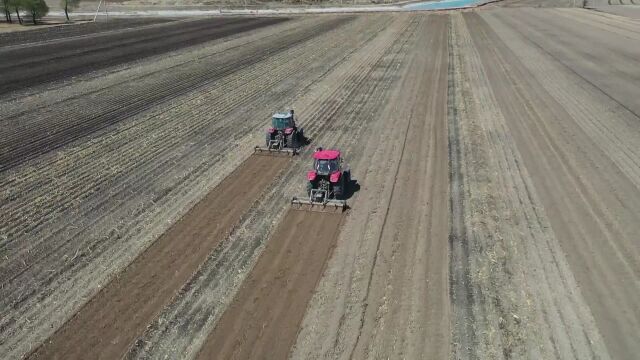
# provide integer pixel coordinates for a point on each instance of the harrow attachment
(330, 205)
(261, 150)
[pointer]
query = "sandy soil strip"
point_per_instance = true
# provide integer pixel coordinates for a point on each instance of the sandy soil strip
(520, 296)
(262, 321)
(106, 326)
(580, 144)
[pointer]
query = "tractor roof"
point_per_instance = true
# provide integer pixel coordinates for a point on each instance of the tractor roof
(326, 154)
(282, 115)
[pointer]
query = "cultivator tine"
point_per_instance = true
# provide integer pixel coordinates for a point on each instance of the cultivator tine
(274, 152)
(332, 206)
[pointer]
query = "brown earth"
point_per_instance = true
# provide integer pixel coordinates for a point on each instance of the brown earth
(496, 153)
(108, 325)
(263, 319)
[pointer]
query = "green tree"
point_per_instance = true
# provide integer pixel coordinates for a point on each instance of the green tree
(16, 5)
(69, 5)
(6, 8)
(37, 9)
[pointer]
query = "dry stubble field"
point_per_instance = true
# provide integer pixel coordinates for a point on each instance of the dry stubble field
(497, 160)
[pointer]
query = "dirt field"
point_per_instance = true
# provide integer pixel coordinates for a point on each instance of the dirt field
(30, 35)
(262, 321)
(494, 212)
(112, 320)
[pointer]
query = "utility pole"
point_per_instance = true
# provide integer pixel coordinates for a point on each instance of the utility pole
(98, 9)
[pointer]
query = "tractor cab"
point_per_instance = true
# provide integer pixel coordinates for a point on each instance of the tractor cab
(326, 162)
(282, 121)
(283, 136)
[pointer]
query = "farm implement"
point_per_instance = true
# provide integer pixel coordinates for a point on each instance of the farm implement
(327, 184)
(284, 137)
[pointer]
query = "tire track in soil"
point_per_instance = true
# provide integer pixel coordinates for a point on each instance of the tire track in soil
(108, 324)
(263, 319)
(460, 291)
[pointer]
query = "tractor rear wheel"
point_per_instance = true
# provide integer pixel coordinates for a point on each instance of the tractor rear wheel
(346, 183)
(293, 141)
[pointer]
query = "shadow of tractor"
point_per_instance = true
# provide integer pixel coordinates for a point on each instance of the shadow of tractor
(352, 188)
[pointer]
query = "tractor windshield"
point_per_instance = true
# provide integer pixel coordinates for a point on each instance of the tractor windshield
(327, 166)
(280, 123)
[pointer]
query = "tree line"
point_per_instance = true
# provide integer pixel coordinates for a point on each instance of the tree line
(37, 9)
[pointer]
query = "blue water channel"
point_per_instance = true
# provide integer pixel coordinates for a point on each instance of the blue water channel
(441, 5)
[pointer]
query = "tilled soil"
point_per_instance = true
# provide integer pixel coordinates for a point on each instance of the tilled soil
(263, 319)
(108, 324)
(63, 59)
(494, 213)
(66, 31)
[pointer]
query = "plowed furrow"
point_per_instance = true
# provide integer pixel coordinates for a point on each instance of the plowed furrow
(162, 144)
(25, 142)
(57, 61)
(263, 319)
(145, 218)
(108, 324)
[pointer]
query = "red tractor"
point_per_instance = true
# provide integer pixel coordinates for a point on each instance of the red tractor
(328, 182)
(284, 136)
